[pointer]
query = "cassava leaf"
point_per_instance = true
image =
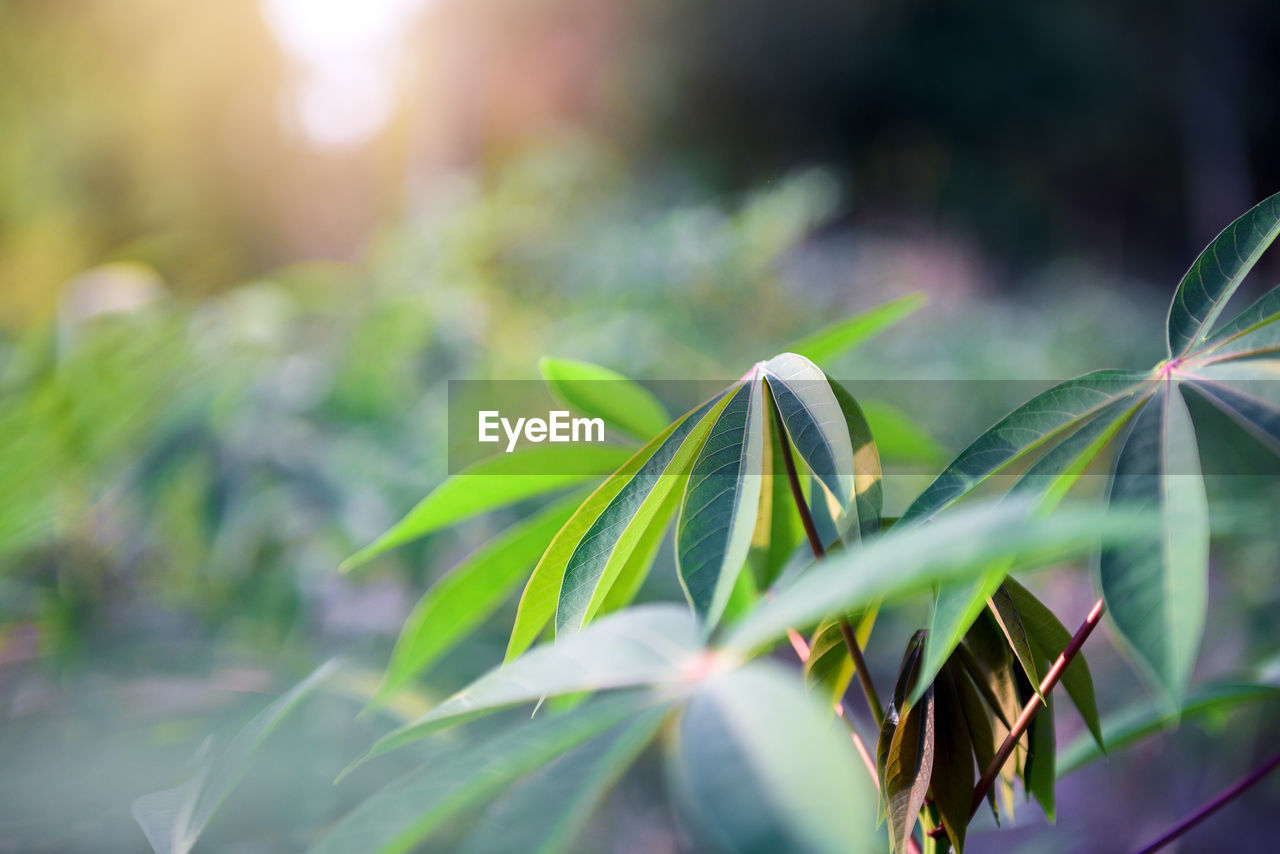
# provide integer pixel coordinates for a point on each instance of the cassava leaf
(814, 422)
(634, 572)
(469, 593)
(904, 561)
(1040, 419)
(1241, 402)
(460, 776)
(760, 767)
(842, 336)
(644, 645)
(542, 592)
(718, 516)
(905, 749)
(1009, 618)
(599, 556)
(778, 526)
(1213, 278)
(1038, 772)
(977, 720)
(952, 780)
(603, 393)
(492, 483)
(868, 490)
(544, 812)
(173, 819)
(1156, 590)
(1263, 313)
(828, 670)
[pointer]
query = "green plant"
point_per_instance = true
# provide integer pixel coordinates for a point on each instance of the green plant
(774, 488)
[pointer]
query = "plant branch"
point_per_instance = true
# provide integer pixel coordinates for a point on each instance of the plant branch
(1034, 704)
(1212, 806)
(815, 543)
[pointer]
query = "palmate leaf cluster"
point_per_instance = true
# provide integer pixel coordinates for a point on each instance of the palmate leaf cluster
(756, 761)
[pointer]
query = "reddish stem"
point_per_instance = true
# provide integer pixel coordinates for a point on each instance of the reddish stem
(1212, 806)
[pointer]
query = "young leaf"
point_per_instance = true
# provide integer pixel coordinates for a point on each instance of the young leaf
(645, 645)
(951, 784)
(634, 572)
(718, 516)
(841, 337)
(1215, 275)
(469, 593)
(814, 422)
(543, 813)
(1050, 638)
(905, 749)
(173, 819)
(1156, 590)
(542, 592)
(1045, 416)
(601, 393)
(493, 483)
(760, 767)
(961, 544)
(460, 776)
(599, 556)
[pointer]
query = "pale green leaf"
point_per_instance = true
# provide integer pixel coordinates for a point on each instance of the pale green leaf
(839, 338)
(173, 819)
(718, 515)
(899, 439)
(496, 482)
(602, 393)
(461, 776)
(760, 767)
(1213, 278)
(1156, 589)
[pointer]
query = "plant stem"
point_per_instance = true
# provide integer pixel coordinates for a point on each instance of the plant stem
(1212, 806)
(1034, 704)
(815, 543)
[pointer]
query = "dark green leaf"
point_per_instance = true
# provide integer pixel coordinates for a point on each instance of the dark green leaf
(1038, 773)
(1264, 312)
(718, 516)
(1215, 275)
(602, 393)
(977, 719)
(905, 750)
(1009, 618)
(1156, 590)
(951, 784)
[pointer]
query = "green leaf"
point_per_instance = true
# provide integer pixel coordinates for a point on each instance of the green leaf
(1263, 313)
(899, 439)
(1051, 637)
(1156, 590)
(634, 572)
(718, 516)
(645, 645)
(868, 490)
(493, 483)
(460, 776)
(904, 561)
(469, 593)
(1215, 275)
(1259, 417)
(601, 393)
(1140, 720)
(841, 337)
(543, 813)
(173, 819)
(599, 556)
(1038, 772)
(905, 749)
(1045, 416)
(814, 422)
(1009, 618)
(829, 669)
(978, 723)
(542, 592)
(759, 767)
(952, 781)
(1048, 480)
(778, 526)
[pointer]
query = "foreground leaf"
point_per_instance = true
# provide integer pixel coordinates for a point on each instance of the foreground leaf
(645, 645)
(492, 483)
(543, 813)
(460, 776)
(1156, 591)
(759, 767)
(173, 819)
(718, 515)
(602, 393)
(1215, 275)
(469, 593)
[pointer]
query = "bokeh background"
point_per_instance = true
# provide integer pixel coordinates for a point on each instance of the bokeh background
(244, 244)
